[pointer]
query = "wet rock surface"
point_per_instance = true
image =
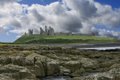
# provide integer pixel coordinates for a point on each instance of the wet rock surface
(26, 62)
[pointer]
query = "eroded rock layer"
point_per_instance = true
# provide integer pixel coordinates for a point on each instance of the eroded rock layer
(34, 62)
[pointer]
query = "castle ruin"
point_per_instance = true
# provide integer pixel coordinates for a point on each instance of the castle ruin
(30, 31)
(47, 31)
(51, 32)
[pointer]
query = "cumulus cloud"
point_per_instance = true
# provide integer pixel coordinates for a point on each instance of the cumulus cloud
(69, 15)
(109, 33)
(3, 2)
(107, 16)
(84, 8)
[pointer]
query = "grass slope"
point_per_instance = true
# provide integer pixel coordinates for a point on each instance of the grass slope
(63, 39)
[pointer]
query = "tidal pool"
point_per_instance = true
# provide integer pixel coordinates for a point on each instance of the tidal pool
(57, 78)
(101, 48)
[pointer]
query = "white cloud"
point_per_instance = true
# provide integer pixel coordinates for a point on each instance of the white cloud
(109, 33)
(107, 16)
(85, 8)
(3, 2)
(68, 15)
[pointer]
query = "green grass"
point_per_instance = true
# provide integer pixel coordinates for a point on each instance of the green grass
(63, 39)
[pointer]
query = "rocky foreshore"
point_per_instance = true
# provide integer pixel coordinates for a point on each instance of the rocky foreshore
(24, 62)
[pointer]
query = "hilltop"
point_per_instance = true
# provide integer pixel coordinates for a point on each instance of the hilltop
(45, 39)
(48, 35)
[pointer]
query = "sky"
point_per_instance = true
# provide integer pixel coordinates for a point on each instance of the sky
(82, 16)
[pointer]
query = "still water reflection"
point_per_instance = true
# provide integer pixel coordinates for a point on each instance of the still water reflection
(57, 78)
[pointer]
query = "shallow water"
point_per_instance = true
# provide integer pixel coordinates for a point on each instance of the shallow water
(57, 78)
(101, 48)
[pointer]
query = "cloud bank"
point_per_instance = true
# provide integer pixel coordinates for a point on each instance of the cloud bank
(80, 16)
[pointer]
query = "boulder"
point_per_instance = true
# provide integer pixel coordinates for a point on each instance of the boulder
(72, 65)
(53, 68)
(26, 74)
(64, 71)
(5, 60)
(115, 72)
(18, 60)
(16, 72)
(116, 77)
(103, 78)
(38, 71)
(42, 66)
(35, 58)
(86, 62)
(5, 77)
(77, 78)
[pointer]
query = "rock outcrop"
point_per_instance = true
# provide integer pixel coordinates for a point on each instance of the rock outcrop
(36, 62)
(14, 72)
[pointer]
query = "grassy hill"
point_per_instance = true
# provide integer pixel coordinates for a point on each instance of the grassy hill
(63, 39)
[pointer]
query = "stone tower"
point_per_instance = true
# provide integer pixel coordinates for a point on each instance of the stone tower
(41, 31)
(46, 30)
(30, 31)
(50, 31)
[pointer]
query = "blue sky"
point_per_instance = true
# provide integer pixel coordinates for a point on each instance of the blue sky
(43, 2)
(12, 36)
(113, 3)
